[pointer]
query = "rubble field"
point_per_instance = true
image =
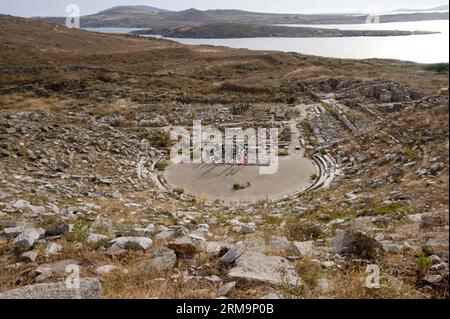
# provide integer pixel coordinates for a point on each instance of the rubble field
(85, 172)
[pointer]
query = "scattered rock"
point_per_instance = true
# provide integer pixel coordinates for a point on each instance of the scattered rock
(226, 289)
(435, 259)
(432, 279)
(328, 264)
(440, 266)
(163, 259)
(21, 204)
(13, 231)
(390, 247)
(165, 235)
(215, 249)
(142, 232)
(304, 248)
(234, 253)
(57, 229)
(277, 243)
(28, 238)
(244, 229)
(415, 218)
(52, 248)
(105, 270)
(96, 238)
(323, 286)
(130, 243)
(256, 267)
(434, 220)
(29, 256)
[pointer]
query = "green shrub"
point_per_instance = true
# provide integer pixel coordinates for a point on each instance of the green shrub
(302, 231)
(161, 166)
(426, 251)
(178, 190)
(423, 263)
(309, 271)
(159, 140)
(365, 247)
(437, 67)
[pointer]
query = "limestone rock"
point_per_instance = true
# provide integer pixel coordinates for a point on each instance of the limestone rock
(432, 279)
(163, 260)
(28, 238)
(233, 254)
(256, 267)
(90, 288)
(281, 244)
(130, 243)
(304, 248)
(105, 270)
(214, 248)
(52, 248)
(11, 232)
(96, 238)
(142, 232)
(29, 256)
(434, 220)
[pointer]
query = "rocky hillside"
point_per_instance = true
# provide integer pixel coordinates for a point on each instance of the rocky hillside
(82, 143)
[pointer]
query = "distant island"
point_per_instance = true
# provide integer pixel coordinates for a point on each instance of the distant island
(237, 30)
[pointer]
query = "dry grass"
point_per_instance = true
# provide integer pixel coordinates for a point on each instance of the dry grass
(20, 102)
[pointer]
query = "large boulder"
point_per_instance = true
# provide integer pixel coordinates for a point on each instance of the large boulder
(90, 288)
(256, 267)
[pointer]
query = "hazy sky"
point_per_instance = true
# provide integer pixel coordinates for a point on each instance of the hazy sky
(57, 7)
